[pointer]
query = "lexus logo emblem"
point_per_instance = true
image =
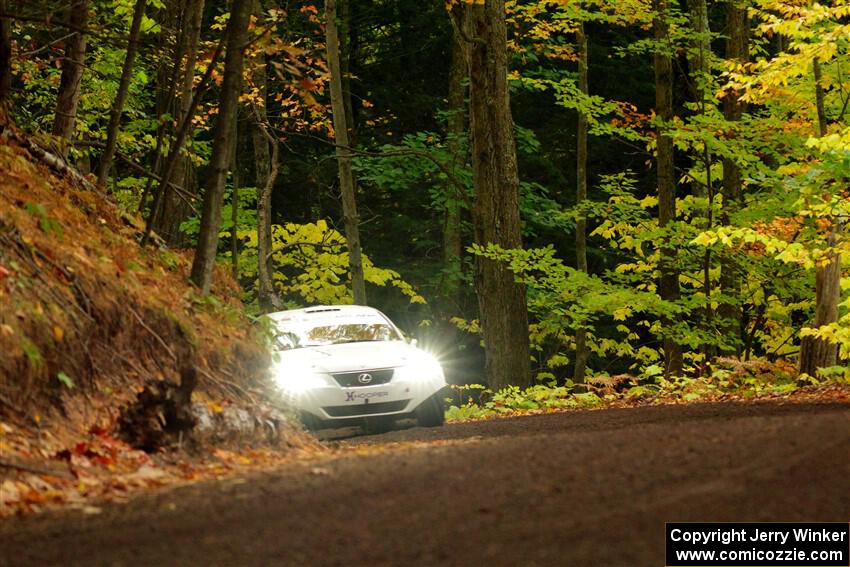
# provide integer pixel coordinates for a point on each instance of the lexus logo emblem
(364, 378)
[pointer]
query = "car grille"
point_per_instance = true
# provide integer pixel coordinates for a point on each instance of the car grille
(353, 379)
(366, 409)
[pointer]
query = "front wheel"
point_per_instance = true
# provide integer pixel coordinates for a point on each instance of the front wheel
(431, 413)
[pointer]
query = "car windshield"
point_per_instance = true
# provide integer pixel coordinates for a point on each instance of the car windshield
(325, 333)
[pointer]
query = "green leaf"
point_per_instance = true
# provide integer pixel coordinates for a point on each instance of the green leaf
(66, 380)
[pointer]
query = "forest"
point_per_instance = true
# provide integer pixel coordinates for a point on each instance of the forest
(590, 196)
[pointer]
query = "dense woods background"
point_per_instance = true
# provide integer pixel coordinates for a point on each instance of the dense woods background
(622, 192)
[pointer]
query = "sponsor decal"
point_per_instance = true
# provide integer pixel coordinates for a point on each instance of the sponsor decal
(364, 396)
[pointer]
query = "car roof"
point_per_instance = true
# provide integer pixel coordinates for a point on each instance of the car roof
(327, 313)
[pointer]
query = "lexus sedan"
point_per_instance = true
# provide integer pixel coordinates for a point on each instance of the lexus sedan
(347, 365)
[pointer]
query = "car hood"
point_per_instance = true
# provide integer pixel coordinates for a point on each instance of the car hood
(351, 356)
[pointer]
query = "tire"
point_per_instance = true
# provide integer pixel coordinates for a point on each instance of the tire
(431, 413)
(310, 422)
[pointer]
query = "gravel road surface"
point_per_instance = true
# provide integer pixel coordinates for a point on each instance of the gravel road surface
(583, 488)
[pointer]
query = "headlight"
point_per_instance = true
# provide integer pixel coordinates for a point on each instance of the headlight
(424, 366)
(298, 379)
(431, 364)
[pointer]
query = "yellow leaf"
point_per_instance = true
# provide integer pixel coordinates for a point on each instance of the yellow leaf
(648, 201)
(621, 313)
(705, 239)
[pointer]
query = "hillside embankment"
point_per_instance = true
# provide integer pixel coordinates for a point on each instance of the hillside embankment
(108, 358)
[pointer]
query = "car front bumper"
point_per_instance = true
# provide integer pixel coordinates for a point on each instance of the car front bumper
(337, 403)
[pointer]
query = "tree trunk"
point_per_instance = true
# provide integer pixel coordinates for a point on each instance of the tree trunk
(346, 55)
(819, 96)
(234, 210)
(456, 129)
(72, 72)
(266, 168)
(175, 207)
(737, 49)
(699, 58)
(121, 96)
(231, 88)
(5, 56)
(819, 353)
(699, 62)
(179, 139)
(167, 76)
(669, 281)
(267, 297)
(343, 156)
(581, 197)
(495, 212)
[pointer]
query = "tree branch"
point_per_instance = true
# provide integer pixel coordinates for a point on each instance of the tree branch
(291, 245)
(458, 27)
(460, 188)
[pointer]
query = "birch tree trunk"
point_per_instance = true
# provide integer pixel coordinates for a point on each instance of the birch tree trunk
(343, 156)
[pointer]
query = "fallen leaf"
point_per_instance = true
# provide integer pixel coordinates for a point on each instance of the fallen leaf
(9, 492)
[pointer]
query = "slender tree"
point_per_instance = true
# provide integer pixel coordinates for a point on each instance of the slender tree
(737, 49)
(5, 55)
(121, 95)
(266, 294)
(456, 129)
(175, 202)
(231, 87)
(343, 155)
(669, 281)
(501, 299)
(265, 146)
(815, 352)
(236, 179)
(72, 73)
(179, 139)
(581, 197)
(167, 77)
(347, 33)
(699, 60)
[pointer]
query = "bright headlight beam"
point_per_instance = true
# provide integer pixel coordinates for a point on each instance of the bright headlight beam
(297, 379)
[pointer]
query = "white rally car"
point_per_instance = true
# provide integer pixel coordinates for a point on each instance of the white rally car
(345, 364)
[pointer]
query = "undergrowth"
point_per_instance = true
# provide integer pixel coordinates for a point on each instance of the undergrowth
(728, 378)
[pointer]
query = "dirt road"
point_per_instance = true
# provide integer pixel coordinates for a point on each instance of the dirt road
(590, 488)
